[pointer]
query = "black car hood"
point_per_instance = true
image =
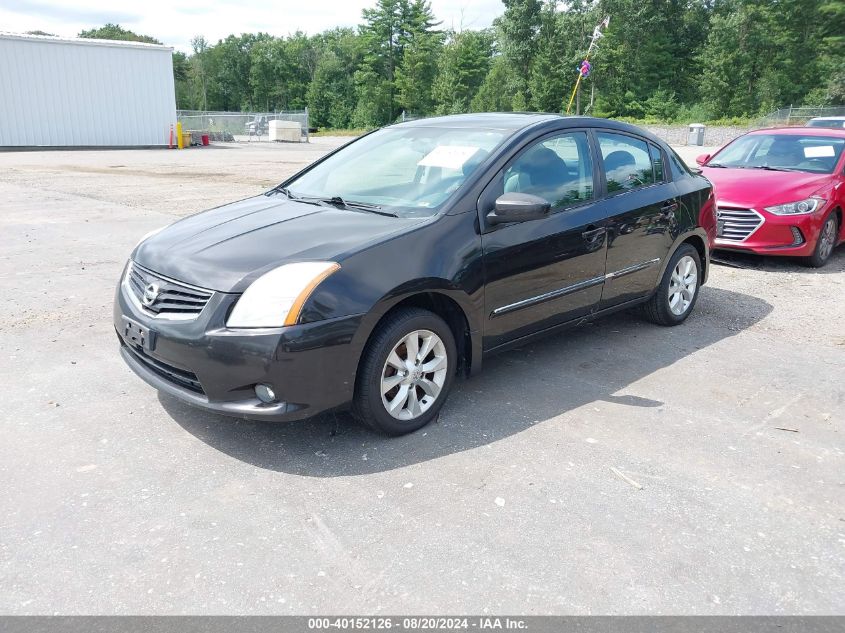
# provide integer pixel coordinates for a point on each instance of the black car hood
(226, 248)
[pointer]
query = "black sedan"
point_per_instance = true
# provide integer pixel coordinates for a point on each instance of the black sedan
(382, 271)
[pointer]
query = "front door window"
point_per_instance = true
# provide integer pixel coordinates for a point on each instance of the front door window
(558, 169)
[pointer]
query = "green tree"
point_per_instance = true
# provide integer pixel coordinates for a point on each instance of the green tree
(662, 59)
(280, 72)
(463, 64)
(388, 78)
(418, 64)
(116, 32)
(519, 28)
(230, 65)
(494, 94)
(182, 80)
(635, 57)
(198, 76)
(382, 43)
(552, 69)
(832, 63)
(737, 57)
(331, 94)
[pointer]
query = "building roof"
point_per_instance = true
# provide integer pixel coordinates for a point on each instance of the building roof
(81, 41)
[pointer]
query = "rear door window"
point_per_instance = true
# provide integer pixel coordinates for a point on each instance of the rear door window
(657, 162)
(627, 162)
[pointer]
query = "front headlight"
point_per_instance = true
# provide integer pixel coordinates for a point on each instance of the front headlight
(796, 208)
(276, 298)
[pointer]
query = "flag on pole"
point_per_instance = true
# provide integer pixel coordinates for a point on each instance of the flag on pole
(585, 68)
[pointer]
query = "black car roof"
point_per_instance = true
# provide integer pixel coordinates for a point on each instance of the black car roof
(485, 120)
(515, 121)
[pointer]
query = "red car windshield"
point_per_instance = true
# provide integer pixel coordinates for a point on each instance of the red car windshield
(782, 152)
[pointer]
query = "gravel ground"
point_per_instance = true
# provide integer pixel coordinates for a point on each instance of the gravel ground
(519, 500)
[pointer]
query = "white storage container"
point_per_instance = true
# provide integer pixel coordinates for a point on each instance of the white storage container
(285, 131)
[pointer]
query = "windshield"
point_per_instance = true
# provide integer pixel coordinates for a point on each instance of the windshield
(787, 152)
(410, 171)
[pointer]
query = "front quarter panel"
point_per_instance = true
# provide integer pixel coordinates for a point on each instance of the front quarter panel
(440, 256)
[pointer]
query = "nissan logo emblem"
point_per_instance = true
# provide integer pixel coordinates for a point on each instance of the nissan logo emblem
(150, 294)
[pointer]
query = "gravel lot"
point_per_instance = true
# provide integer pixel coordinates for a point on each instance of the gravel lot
(116, 500)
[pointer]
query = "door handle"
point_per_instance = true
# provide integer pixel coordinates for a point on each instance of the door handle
(592, 234)
(669, 207)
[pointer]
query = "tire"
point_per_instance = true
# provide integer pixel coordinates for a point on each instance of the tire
(380, 383)
(663, 308)
(825, 243)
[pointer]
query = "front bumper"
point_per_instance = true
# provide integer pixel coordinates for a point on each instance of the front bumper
(311, 367)
(777, 235)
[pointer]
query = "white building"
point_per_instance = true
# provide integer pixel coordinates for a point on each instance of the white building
(57, 92)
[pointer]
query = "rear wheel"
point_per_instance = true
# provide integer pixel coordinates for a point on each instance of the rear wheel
(825, 242)
(677, 293)
(406, 372)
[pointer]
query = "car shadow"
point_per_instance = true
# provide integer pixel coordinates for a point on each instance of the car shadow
(772, 264)
(516, 390)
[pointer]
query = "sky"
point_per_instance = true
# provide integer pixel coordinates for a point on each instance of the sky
(175, 22)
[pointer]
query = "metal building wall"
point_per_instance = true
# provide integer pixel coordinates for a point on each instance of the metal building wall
(64, 92)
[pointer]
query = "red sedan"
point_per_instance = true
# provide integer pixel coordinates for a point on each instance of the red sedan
(780, 192)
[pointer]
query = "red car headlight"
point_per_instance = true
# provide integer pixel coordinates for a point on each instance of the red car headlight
(801, 207)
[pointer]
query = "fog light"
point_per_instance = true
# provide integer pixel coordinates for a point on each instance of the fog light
(265, 393)
(797, 237)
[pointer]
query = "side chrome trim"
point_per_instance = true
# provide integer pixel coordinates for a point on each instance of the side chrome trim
(581, 285)
(632, 269)
(554, 294)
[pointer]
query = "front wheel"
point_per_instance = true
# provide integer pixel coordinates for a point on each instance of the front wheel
(677, 292)
(825, 243)
(406, 372)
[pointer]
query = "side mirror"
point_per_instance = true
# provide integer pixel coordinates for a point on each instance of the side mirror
(702, 158)
(519, 207)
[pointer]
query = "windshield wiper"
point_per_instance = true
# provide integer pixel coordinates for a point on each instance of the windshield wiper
(291, 195)
(336, 201)
(768, 168)
(716, 165)
(353, 204)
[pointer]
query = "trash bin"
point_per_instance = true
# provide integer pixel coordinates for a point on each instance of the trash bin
(696, 134)
(205, 139)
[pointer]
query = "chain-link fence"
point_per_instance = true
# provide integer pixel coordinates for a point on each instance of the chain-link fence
(239, 126)
(799, 116)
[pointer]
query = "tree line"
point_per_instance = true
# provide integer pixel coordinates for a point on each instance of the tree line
(658, 59)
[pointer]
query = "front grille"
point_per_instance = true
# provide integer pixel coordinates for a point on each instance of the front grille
(180, 377)
(737, 224)
(169, 297)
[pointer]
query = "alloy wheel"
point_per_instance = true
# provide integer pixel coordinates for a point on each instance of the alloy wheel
(682, 285)
(413, 375)
(827, 239)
